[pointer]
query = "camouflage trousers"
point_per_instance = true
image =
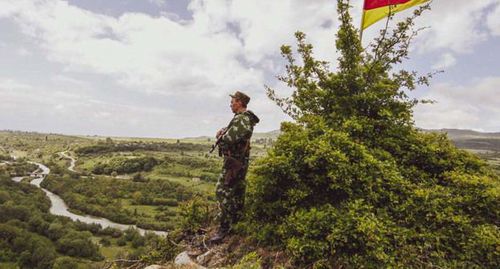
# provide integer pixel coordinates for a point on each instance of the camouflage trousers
(231, 198)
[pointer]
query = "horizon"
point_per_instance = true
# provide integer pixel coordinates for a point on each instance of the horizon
(204, 136)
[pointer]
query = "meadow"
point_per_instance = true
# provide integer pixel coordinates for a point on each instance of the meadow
(126, 180)
(138, 181)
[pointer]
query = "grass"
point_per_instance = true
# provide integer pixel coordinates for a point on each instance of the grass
(19, 153)
(149, 210)
(44, 148)
(87, 163)
(201, 186)
(111, 252)
(175, 172)
(492, 158)
(8, 265)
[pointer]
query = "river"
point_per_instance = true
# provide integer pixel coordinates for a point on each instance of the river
(58, 207)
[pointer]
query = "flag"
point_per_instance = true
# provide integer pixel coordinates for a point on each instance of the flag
(375, 10)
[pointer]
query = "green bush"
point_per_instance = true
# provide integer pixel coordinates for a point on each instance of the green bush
(113, 232)
(105, 242)
(138, 241)
(121, 165)
(33, 251)
(101, 147)
(121, 241)
(159, 249)
(353, 184)
(194, 214)
(65, 263)
(130, 234)
(249, 261)
(4, 157)
(78, 244)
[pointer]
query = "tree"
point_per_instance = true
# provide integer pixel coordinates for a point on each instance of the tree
(121, 241)
(105, 242)
(37, 252)
(55, 231)
(138, 177)
(65, 263)
(353, 183)
(78, 244)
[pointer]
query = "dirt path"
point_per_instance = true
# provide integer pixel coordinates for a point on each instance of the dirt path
(73, 161)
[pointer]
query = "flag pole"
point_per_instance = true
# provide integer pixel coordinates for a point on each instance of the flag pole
(361, 30)
(362, 22)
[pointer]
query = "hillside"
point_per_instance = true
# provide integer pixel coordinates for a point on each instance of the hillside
(148, 198)
(472, 140)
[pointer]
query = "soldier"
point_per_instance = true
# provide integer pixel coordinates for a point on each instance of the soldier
(235, 147)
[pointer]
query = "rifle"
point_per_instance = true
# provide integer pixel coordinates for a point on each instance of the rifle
(220, 138)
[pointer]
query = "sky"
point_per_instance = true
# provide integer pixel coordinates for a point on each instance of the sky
(165, 68)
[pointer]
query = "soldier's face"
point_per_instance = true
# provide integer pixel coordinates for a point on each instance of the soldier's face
(235, 105)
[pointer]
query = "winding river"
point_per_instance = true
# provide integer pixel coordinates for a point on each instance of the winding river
(59, 207)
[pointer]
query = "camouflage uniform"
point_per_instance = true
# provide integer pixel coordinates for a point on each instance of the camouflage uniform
(231, 185)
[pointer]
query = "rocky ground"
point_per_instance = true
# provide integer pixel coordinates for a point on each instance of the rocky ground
(233, 250)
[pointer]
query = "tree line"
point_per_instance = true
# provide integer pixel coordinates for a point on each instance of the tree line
(103, 147)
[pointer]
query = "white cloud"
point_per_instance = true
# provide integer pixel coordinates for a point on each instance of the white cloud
(160, 3)
(8, 84)
(472, 106)
(493, 20)
(265, 25)
(8, 8)
(446, 60)
(150, 54)
(23, 52)
(161, 55)
(455, 26)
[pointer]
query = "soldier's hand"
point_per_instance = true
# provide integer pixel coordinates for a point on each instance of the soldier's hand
(220, 132)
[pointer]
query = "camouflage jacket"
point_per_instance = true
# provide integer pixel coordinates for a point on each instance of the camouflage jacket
(239, 132)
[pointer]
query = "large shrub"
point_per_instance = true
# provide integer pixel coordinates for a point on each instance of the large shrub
(352, 183)
(123, 165)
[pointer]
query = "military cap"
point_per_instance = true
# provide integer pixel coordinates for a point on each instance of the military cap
(241, 96)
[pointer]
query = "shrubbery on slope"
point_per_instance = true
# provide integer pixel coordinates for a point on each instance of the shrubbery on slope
(352, 183)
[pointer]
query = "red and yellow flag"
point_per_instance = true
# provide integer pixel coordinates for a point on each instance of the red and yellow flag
(375, 10)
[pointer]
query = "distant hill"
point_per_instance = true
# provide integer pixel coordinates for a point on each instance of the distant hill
(272, 134)
(472, 140)
(464, 134)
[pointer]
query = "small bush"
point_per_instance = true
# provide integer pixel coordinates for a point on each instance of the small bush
(194, 214)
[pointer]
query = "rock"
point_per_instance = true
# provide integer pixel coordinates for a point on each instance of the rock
(184, 259)
(194, 252)
(205, 257)
(154, 266)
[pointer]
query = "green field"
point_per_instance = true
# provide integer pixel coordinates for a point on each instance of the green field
(142, 181)
(109, 183)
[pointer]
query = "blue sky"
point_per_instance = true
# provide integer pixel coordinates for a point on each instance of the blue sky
(164, 68)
